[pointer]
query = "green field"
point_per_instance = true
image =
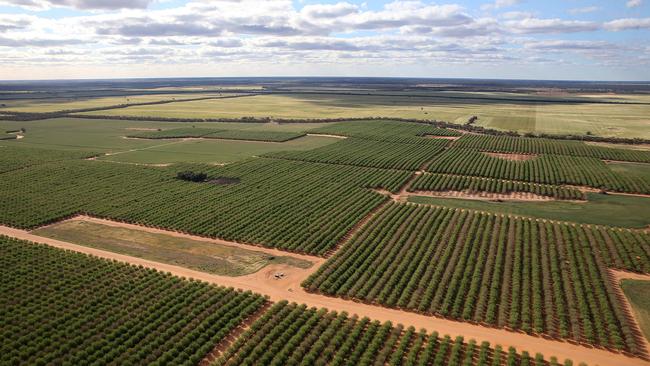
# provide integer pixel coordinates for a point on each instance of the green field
(613, 210)
(638, 170)
(212, 151)
(107, 136)
(638, 293)
(557, 118)
(200, 255)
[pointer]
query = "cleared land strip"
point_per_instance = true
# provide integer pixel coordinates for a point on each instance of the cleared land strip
(290, 289)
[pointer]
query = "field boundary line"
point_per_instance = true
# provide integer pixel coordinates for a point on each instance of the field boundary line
(295, 293)
(234, 335)
(616, 277)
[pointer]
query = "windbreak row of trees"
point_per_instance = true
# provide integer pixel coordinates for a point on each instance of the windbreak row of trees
(531, 275)
(291, 334)
(60, 307)
(209, 133)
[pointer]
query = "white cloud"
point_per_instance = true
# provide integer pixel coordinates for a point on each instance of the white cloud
(585, 10)
(627, 24)
(79, 4)
(498, 4)
(534, 25)
(279, 32)
(329, 10)
(634, 3)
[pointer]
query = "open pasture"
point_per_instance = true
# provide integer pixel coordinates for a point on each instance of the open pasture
(108, 137)
(598, 209)
(58, 104)
(619, 120)
(203, 256)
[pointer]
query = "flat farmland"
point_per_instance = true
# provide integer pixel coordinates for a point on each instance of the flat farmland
(212, 151)
(63, 104)
(614, 210)
(108, 137)
(206, 256)
(363, 242)
(620, 120)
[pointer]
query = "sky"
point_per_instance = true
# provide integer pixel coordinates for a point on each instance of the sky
(499, 39)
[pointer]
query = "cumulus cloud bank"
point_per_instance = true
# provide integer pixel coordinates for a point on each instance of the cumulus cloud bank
(255, 32)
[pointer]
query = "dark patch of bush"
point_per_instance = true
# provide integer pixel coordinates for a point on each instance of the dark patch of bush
(191, 176)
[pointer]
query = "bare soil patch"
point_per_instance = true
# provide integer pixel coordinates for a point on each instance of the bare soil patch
(327, 135)
(485, 196)
(451, 138)
(512, 157)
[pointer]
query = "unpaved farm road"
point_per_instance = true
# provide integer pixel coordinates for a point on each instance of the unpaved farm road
(289, 288)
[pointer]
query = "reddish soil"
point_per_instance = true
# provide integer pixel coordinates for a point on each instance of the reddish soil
(513, 157)
(452, 138)
(484, 196)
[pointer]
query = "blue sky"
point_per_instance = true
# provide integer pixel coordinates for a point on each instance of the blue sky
(551, 39)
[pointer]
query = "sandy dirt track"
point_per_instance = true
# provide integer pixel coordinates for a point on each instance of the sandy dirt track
(327, 135)
(289, 288)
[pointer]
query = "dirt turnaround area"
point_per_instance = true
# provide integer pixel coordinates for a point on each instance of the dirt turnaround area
(511, 157)
(288, 288)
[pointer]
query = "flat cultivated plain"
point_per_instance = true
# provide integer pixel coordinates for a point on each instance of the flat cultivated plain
(627, 120)
(355, 238)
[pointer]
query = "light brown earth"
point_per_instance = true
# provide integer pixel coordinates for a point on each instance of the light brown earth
(512, 157)
(327, 135)
(452, 138)
(288, 288)
(484, 196)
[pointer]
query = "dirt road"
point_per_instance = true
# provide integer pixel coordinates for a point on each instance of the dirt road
(289, 288)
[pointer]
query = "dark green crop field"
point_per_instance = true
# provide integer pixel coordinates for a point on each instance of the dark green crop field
(62, 308)
(525, 274)
(404, 224)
